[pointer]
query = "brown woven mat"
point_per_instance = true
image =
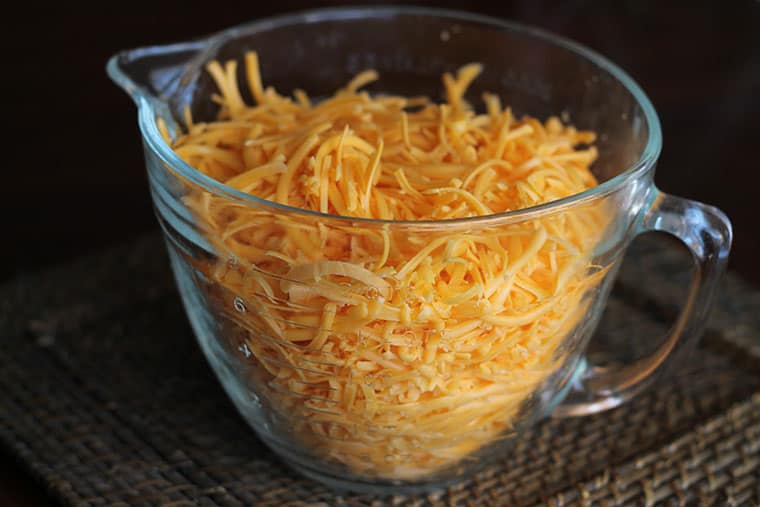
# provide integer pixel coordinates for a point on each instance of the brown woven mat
(108, 401)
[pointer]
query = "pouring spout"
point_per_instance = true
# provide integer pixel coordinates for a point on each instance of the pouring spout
(153, 72)
(160, 81)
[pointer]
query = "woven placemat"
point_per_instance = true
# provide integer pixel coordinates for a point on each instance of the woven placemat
(108, 401)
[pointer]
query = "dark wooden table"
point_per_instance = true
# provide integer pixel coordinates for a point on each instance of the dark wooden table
(76, 173)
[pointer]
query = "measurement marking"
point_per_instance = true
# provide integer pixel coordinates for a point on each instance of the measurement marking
(239, 304)
(299, 368)
(285, 390)
(245, 350)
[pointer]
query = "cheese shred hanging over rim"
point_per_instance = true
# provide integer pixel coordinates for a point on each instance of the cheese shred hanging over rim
(391, 351)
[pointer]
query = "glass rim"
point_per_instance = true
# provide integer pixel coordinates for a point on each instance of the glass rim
(154, 139)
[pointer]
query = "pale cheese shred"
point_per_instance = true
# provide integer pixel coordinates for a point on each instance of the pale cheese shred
(393, 350)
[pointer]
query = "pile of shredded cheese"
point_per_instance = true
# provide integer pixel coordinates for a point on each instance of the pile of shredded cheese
(394, 350)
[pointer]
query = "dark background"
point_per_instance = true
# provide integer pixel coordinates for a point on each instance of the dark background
(74, 182)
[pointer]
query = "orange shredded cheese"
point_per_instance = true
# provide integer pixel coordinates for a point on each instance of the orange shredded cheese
(395, 351)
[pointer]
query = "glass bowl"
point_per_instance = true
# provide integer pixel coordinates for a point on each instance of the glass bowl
(339, 369)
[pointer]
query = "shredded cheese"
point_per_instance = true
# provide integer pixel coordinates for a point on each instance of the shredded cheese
(394, 350)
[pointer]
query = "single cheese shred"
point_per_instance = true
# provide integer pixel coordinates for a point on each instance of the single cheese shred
(393, 349)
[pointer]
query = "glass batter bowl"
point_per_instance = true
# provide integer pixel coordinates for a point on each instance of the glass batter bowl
(283, 362)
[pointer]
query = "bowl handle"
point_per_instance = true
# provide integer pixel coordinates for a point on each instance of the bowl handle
(706, 231)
